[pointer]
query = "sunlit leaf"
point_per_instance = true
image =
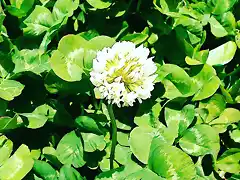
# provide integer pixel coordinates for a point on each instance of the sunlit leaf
(200, 140)
(176, 81)
(18, 165)
(20, 8)
(170, 162)
(235, 135)
(100, 4)
(122, 154)
(64, 8)
(215, 106)
(229, 161)
(93, 142)
(8, 123)
(31, 60)
(6, 147)
(44, 170)
(222, 54)
(69, 173)
(39, 116)
(206, 81)
(179, 119)
(39, 21)
(140, 141)
(70, 150)
(10, 89)
(226, 118)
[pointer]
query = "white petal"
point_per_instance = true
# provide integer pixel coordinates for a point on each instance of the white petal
(149, 67)
(123, 47)
(99, 66)
(141, 52)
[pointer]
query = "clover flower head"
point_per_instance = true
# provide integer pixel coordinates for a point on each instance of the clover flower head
(123, 74)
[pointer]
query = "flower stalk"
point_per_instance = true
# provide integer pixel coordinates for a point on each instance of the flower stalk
(114, 134)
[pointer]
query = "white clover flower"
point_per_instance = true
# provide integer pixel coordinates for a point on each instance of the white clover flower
(123, 73)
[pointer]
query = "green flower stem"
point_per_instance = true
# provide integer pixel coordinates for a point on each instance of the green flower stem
(114, 134)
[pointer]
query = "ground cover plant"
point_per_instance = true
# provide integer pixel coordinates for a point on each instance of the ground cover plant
(119, 89)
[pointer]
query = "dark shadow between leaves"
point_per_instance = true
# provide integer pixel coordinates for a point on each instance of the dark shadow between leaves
(207, 163)
(195, 70)
(33, 94)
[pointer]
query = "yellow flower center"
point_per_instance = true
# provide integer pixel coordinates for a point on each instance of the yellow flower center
(124, 74)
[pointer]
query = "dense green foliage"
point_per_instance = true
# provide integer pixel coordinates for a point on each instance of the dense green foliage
(52, 126)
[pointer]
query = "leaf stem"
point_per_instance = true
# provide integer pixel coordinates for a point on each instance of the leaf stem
(127, 9)
(234, 71)
(114, 134)
(95, 104)
(138, 5)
